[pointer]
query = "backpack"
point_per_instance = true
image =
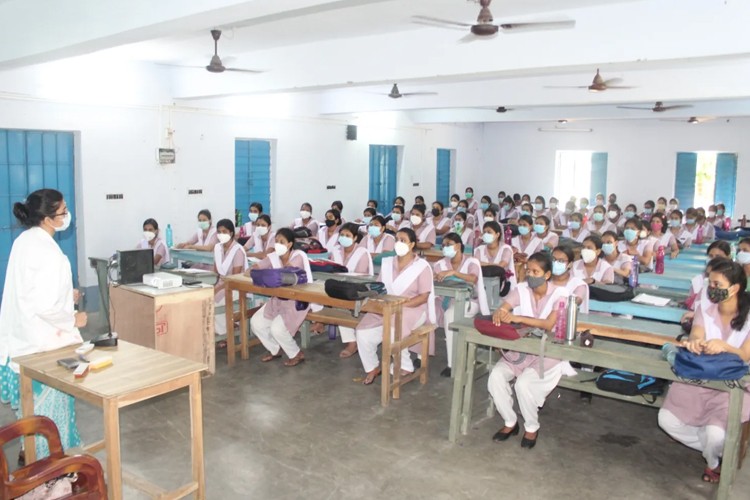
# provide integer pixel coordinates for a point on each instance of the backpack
(485, 326)
(722, 366)
(350, 290)
(610, 293)
(631, 384)
(498, 272)
(327, 266)
(302, 232)
(275, 278)
(309, 245)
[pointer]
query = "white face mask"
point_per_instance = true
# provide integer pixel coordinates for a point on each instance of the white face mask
(305, 214)
(281, 249)
(612, 214)
(588, 255)
(223, 237)
(415, 220)
(488, 218)
(67, 218)
(553, 205)
(397, 218)
(261, 230)
(454, 204)
(149, 235)
(401, 248)
(743, 258)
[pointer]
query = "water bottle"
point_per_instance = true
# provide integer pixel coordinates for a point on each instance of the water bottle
(243, 233)
(571, 319)
(508, 235)
(668, 352)
(659, 268)
(699, 235)
(560, 324)
(633, 279)
(170, 240)
(331, 332)
(237, 218)
(727, 223)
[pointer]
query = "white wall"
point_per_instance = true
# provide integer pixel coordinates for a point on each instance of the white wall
(641, 163)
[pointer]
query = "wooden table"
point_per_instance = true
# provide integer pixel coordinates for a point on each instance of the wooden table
(606, 354)
(679, 280)
(138, 374)
(388, 306)
(633, 330)
(660, 313)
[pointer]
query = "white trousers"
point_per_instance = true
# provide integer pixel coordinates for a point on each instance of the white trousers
(347, 334)
(273, 334)
(369, 339)
(531, 392)
(449, 315)
(220, 320)
(708, 439)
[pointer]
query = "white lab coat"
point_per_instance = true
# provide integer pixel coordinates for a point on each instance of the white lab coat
(37, 311)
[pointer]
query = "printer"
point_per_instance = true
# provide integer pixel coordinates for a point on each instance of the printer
(162, 280)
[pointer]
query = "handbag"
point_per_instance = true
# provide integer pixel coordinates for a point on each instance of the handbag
(275, 278)
(351, 290)
(327, 266)
(610, 293)
(485, 326)
(309, 245)
(722, 366)
(500, 272)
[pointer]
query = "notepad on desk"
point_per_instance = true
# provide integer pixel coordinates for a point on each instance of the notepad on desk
(651, 300)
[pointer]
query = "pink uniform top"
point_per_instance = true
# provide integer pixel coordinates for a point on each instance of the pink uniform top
(502, 253)
(258, 244)
(204, 238)
(529, 247)
(356, 261)
(311, 224)
(425, 233)
(226, 262)
(328, 241)
(159, 247)
(603, 273)
(601, 227)
(583, 233)
(385, 244)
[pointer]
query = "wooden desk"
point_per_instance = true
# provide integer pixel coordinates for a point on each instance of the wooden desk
(197, 256)
(605, 354)
(388, 306)
(633, 330)
(660, 313)
(178, 321)
(679, 280)
(138, 374)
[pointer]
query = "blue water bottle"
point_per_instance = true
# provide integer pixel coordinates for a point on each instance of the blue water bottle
(669, 352)
(633, 278)
(170, 241)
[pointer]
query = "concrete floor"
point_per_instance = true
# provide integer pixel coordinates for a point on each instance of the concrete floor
(315, 432)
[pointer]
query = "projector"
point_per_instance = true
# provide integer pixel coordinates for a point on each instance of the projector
(162, 280)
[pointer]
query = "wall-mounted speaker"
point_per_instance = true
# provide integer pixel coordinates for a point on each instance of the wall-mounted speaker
(351, 132)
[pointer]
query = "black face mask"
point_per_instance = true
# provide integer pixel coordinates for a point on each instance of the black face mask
(716, 294)
(330, 223)
(435, 212)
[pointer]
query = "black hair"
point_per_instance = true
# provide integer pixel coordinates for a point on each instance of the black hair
(650, 203)
(615, 206)
(401, 199)
(576, 215)
(336, 215)
(288, 235)
(419, 208)
(638, 223)
(661, 217)
(494, 225)
(543, 259)
(462, 215)
(455, 196)
(39, 205)
(516, 197)
(723, 207)
(546, 220)
(379, 219)
(455, 238)
(418, 197)
(610, 233)
(464, 202)
(734, 273)
(410, 234)
(370, 210)
(398, 207)
(440, 204)
(527, 219)
(499, 193)
(339, 206)
(422, 206)
(676, 212)
(595, 239)
(486, 199)
(722, 245)
(660, 198)
(492, 211)
(374, 202)
(544, 202)
(508, 200)
(306, 205)
(469, 188)
(600, 207)
(354, 229)
(745, 241)
(151, 222)
(226, 224)
(567, 250)
(631, 205)
(257, 205)
(207, 213)
(264, 217)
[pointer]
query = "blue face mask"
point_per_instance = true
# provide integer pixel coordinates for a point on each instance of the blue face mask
(648, 210)
(253, 216)
(484, 206)
(449, 252)
(345, 241)
(459, 225)
(690, 221)
(574, 224)
(608, 248)
(674, 223)
(598, 217)
(367, 219)
(539, 228)
(525, 212)
(628, 214)
(488, 238)
(374, 231)
(462, 209)
(559, 268)
(538, 207)
(630, 234)
(523, 230)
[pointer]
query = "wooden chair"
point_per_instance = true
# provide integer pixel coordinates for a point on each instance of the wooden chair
(90, 483)
(420, 335)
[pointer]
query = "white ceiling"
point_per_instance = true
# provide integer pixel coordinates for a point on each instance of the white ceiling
(339, 57)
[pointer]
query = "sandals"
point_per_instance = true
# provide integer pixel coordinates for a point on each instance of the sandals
(299, 358)
(270, 357)
(371, 376)
(348, 352)
(711, 475)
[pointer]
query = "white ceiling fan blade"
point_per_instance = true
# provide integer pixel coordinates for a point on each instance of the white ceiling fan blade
(536, 26)
(620, 87)
(241, 70)
(612, 81)
(406, 94)
(437, 20)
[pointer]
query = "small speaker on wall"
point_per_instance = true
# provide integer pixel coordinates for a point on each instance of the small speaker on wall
(351, 132)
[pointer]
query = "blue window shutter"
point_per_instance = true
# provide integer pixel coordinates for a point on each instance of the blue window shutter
(726, 180)
(383, 175)
(252, 175)
(598, 174)
(684, 179)
(443, 176)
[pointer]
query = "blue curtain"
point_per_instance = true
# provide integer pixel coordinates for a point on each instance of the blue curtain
(443, 176)
(598, 175)
(726, 180)
(684, 179)
(383, 177)
(252, 175)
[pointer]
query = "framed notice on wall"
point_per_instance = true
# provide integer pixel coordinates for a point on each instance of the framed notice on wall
(166, 156)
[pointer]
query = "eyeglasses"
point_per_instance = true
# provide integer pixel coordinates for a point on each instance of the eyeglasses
(61, 215)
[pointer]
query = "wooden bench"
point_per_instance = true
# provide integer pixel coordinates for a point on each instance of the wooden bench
(327, 316)
(420, 335)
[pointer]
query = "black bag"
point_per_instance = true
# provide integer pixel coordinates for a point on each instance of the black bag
(309, 245)
(350, 290)
(631, 384)
(302, 232)
(327, 266)
(498, 272)
(610, 293)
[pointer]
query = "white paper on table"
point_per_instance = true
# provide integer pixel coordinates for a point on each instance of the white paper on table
(192, 270)
(652, 300)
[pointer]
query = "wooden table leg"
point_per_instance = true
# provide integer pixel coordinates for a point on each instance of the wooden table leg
(196, 430)
(459, 313)
(731, 444)
(245, 347)
(27, 410)
(112, 443)
(385, 364)
(459, 383)
(471, 363)
(229, 313)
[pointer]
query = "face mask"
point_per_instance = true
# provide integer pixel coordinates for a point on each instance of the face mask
(469, 195)
(261, 230)
(484, 206)
(538, 207)
(535, 282)
(559, 268)
(553, 205)
(459, 225)
(608, 248)
(539, 228)
(330, 223)
(253, 216)
(345, 241)
(690, 221)
(415, 220)
(630, 234)
(449, 252)
(661, 207)
(716, 294)
(568, 211)
(647, 210)
(574, 224)
(674, 223)
(149, 235)
(401, 248)
(396, 217)
(525, 212)
(281, 249)
(743, 258)
(488, 238)
(488, 218)
(223, 237)
(584, 204)
(643, 234)
(462, 209)
(435, 212)
(588, 255)
(673, 206)
(204, 224)
(367, 219)
(523, 230)
(506, 206)
(711, 213)
(656, 227)
(598, 217)
(374, 231)
(599, 203)
(612, 214)
(629, 214)
(305, 214)
(454, 204)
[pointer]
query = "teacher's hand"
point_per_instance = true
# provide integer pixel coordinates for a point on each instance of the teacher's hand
(76, 295)
(81, 318)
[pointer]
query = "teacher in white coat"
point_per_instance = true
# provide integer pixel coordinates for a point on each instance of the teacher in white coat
(37, 312)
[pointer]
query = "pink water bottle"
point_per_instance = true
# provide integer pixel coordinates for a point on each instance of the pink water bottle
(699, 235)
(727, 223)
(659, 268)
(508, 235)
(561, 323)
(242, 231)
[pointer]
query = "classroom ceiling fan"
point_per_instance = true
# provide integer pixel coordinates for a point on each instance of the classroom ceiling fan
(659, 107)
(599, 84)
(396, 94)
(485, 26)
(503, 109)
(216, 65)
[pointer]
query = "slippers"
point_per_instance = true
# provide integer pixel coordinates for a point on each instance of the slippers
(270, 357)
(346, 353)
(370, 377)
(299, 358)
(711, 475)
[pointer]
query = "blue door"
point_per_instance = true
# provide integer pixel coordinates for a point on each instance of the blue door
(252, 175)
(443, 177)
(31, 160)
(383, 177)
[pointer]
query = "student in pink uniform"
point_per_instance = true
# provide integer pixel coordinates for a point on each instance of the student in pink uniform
(635, 245)
(471, 220)
(357, 260)
(305, 219)
(456, 265)
(328, 235)
(494, 251)
(276, 323)
(337, 205)
(599, 223)
(204, 238)
(256, 210)
(152, 240)
(554, 213)
(526, 243)
(229, 259)
(467, 234)
(532, 303)
(423, 228)
(682, 235)
(743, 255)
(621, 263)
(543, 231)
(691, 223)
(398, 221)
(471, 204)
(377, 240)
(406, 275)
(719, 249)
(709, 231)
(441, 222)
(666, 240)
(562, 263)
(262, 241)
(575, 230)
(694, 415)
(592, 268)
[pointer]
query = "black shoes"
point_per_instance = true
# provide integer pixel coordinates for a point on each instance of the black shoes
(446, 372)
(503, 436)
(529, 443)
